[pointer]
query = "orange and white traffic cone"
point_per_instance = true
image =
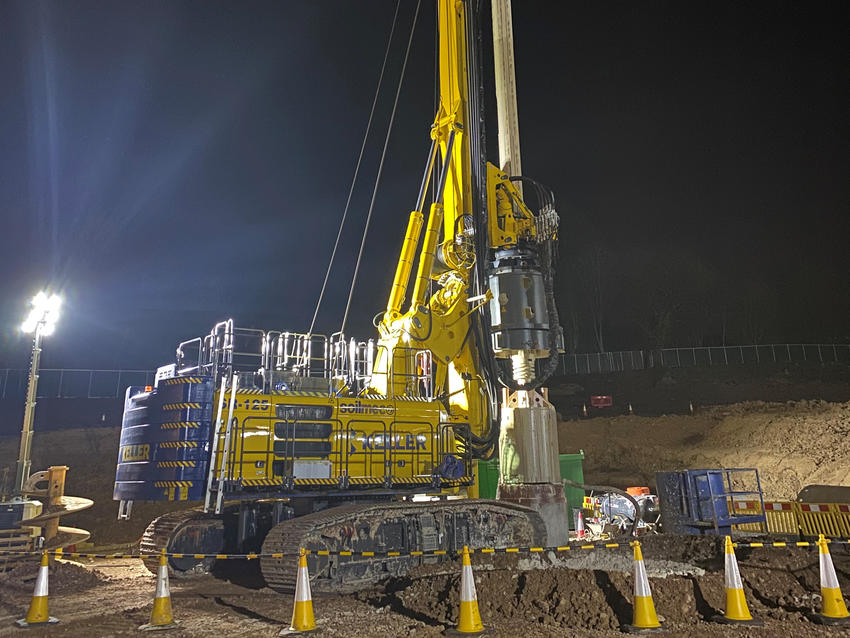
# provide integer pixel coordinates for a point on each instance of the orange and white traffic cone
(37, 614)
(469, 619)
(737, 612)
(161, 617)
(303, 619)
(644, 618)
(580, 532)
(834, 610)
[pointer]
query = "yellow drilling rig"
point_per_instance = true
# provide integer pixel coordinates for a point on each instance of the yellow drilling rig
(277, 440)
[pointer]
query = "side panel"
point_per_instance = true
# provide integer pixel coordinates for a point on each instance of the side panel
(165, 434)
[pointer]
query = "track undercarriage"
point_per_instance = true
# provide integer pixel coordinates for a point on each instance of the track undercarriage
(402, 527)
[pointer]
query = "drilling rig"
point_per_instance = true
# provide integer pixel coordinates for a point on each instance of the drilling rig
(278, 440)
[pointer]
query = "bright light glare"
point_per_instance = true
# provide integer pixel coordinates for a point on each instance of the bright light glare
(45, 311)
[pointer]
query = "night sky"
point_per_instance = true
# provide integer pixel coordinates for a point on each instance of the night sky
(166, 165)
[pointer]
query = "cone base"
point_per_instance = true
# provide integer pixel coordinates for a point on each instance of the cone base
(829, 620)
(631, 629)
(149, 627)
(24, 624)
(723, 620)
(295, 632)
(453, 631)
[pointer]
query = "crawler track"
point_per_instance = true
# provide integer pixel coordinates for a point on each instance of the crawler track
(188, 531)
(394, 527)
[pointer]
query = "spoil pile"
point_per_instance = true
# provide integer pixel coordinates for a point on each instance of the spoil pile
(781, 586)
(792, 444)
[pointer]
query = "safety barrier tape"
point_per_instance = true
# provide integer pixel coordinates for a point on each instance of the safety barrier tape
(435, 552)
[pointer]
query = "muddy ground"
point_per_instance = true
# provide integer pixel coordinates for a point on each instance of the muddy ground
(532, 597)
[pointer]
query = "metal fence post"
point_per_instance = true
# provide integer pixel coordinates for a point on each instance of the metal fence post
(5, 381)
(741, 349)
(773, 352)
(725, 355)
(88, 394)
(820, 354)
(118, 385)
(788, 351)
(834, 353)
(61, 379)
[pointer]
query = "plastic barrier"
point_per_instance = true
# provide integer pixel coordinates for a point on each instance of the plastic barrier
(830, 519)
(792, 518)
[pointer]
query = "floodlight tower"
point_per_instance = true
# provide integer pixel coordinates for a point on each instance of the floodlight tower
(40, 322)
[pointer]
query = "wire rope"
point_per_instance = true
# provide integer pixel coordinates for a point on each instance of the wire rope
(380, 168)
(356, 169)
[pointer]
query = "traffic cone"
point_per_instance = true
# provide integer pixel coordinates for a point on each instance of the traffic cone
(834, 609)
(644, 618)
(161, 617)
(37, 614)
(737, 612)
(302, 611)
(580, 533)
(631, 411)
(584, 410)
(469, 620)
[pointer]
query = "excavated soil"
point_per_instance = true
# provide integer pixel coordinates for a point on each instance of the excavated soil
(792, 444)
(112, 598)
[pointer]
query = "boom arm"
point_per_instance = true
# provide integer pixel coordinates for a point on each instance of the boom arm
(459, 255)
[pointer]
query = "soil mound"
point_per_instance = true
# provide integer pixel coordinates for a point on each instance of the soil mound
(792, 444)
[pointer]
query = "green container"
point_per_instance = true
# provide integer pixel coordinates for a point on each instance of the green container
(571, 468)
(488, 478)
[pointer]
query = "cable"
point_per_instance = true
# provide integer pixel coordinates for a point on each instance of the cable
(380, 168)
(356, 169)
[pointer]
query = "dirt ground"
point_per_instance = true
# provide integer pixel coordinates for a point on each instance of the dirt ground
(517, 596)
(792, 444)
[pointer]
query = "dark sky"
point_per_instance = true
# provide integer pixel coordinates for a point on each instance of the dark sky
(169, 164)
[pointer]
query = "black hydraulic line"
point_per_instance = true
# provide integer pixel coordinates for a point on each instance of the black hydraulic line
(615, 490)
(476, 134)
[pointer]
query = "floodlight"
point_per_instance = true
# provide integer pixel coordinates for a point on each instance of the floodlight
(44, 312)
(41, 320)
